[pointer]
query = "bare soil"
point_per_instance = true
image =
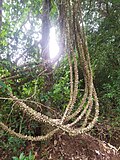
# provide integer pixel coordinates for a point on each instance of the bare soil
(82, 147)
(64, 147)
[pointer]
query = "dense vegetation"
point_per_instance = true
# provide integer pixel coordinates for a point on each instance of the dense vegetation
(23, 64)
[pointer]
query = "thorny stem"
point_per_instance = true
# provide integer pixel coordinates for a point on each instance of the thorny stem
(75, 43)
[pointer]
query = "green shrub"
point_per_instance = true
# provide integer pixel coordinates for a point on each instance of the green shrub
(23, 157)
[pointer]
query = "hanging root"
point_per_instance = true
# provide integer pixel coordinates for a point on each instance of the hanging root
(75, 41)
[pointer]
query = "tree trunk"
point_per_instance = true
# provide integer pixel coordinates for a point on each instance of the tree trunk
(45, 43)
(48, 79)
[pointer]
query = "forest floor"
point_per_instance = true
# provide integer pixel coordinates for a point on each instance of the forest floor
(81, 147)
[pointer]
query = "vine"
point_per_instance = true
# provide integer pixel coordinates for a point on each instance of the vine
(75, 43)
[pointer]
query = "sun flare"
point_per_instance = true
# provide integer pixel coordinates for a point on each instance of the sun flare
(54, 48)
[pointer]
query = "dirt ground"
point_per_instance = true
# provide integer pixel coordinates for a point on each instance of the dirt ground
(82, 147)
(64, 147)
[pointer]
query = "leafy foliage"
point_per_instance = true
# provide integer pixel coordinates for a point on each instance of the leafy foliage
(23, 157)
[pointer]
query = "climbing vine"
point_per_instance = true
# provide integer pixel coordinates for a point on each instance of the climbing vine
(76, 48)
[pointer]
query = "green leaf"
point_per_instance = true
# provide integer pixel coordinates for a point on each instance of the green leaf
(31, 157)
(22, 156)
(15, 158)
(2, 86)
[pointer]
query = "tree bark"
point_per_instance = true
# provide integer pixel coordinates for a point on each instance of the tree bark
(45, 42)
(48, 79)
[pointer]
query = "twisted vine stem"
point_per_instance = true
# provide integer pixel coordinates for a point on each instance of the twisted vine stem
(75, 43)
